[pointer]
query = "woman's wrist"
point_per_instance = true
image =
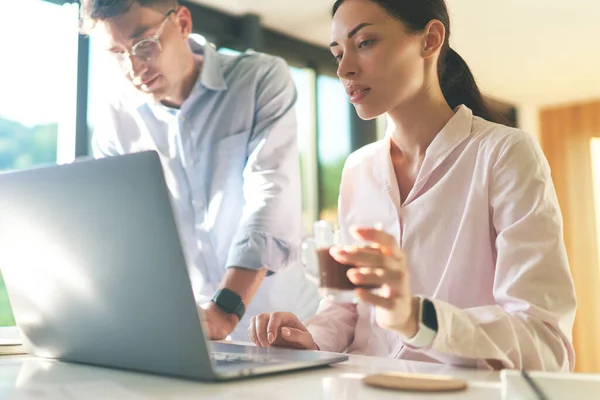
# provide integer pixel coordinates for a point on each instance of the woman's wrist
(411, 327)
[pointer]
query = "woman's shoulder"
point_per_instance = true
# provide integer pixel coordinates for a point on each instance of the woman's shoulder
(366, 155)
(496, 139)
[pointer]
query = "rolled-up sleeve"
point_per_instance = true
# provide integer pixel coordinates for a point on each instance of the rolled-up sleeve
(333, 326)
(269, 231)
(531, 324)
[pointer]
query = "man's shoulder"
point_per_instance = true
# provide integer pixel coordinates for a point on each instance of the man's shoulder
(254, 64)
(123, 98)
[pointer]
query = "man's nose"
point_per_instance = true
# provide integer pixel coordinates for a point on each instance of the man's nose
(135, 66)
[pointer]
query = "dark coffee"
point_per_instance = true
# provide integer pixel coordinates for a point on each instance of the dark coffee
(333, 274)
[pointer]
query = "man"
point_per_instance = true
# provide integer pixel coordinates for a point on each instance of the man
(225, 130)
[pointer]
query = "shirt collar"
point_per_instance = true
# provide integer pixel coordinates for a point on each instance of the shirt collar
(451, 136)
(455, 132)
(211, 75)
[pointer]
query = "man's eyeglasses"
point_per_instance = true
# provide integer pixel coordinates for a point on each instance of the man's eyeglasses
(147, 49)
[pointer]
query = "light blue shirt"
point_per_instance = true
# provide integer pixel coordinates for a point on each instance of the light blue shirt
(231, 164)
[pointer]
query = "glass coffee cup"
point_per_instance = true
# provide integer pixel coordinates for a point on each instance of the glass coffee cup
(321, 268)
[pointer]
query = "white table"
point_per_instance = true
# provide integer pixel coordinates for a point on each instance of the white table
(20, 376)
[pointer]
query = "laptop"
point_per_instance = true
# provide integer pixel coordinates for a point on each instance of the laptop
(95, 274)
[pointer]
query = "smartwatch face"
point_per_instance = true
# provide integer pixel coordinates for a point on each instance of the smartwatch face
(429, 316)
(230, 302)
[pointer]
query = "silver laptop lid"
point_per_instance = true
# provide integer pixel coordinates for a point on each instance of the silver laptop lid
(94, 268)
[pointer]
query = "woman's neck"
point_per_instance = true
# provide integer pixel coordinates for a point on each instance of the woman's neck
(417, 122)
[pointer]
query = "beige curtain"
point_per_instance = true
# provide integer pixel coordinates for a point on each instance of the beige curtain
(566, 135)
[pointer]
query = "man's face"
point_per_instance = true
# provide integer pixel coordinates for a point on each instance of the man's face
(150, 47)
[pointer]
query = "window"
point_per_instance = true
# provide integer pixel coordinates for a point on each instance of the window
(104, 80)
(38, 81)
(304, 79)
(334, 141)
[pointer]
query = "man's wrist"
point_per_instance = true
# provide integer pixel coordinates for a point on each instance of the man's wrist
(230, 318)
(230, 302)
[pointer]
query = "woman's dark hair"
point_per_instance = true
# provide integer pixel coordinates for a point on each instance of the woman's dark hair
(457, 81)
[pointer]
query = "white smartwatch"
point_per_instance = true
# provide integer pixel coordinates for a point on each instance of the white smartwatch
(428, 325)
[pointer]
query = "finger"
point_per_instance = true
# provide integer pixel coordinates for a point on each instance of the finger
(375, 276)
(387, 303)
(273, 326)
(376, 236)
(291, 320)
(261, 328)
(367, 257)
(252, 331)
(358, 256)
(301, 339)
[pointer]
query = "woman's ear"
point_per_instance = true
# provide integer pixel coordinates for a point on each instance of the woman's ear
(434, 36)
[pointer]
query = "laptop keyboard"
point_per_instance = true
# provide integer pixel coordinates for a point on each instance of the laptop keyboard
(232, 359)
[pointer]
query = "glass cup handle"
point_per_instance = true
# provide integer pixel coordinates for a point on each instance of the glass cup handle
(308, 256)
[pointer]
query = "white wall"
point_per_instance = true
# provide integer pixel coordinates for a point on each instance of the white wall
(528, 119)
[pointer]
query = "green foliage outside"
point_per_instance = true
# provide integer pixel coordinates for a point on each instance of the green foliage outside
(22, 147)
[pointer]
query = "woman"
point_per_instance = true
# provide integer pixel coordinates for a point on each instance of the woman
(474, 225)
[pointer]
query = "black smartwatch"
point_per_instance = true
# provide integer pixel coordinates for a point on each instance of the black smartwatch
(429, 315)
(428, 325)
(230, 302)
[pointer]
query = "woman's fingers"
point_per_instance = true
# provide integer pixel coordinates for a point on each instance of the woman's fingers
(375, 276)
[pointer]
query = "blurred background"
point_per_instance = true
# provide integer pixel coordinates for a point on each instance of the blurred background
(537, 61)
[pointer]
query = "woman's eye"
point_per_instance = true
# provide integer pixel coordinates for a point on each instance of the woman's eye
(338, 58)
(365, 43)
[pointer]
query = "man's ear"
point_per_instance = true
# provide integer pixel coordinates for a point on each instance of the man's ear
(184, 21)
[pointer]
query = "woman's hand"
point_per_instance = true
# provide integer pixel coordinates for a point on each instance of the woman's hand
(280, 329)
(382, 264)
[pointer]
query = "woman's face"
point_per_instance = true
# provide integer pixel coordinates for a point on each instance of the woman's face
(380, 63)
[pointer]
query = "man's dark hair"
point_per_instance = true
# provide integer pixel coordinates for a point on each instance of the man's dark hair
(93, 11)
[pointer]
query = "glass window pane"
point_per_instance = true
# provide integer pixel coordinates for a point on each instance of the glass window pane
(105, 80)
(304, 79)
(38, 81)
(334, 141)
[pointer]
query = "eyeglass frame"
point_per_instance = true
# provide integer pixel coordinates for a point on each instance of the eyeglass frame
(121, 57)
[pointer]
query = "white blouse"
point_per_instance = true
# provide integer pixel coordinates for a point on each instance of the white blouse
(482, 234)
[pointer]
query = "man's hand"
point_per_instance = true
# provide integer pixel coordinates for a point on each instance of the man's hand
(242, 281)
(219, 323)
(280, 329)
